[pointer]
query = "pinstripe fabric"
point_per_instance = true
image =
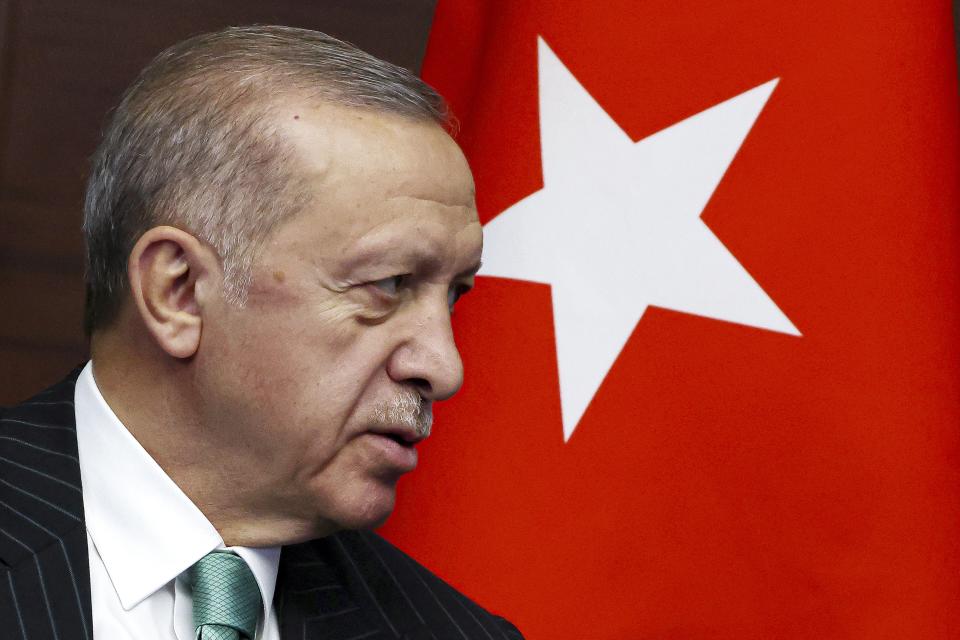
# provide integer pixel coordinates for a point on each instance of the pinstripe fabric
(355, 584)
(348, 586)
(45, 580)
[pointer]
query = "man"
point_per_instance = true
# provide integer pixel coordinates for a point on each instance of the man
(278, 227)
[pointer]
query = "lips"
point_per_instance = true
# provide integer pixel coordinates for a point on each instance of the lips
(403, 435)
(395, 447)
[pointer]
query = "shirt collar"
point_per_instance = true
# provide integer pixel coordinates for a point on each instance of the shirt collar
(145, 528)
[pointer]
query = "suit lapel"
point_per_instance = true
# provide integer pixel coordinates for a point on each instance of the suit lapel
(341, 588)
(45, 584)
(318, 600)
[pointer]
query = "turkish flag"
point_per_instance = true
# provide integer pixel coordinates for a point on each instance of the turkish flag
(713, 357)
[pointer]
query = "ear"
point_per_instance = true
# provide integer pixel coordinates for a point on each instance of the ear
(169, 272)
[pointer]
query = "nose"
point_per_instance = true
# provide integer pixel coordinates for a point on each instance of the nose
(429, 359)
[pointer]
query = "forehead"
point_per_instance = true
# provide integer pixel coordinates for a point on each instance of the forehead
(393, 155)
(372, 176)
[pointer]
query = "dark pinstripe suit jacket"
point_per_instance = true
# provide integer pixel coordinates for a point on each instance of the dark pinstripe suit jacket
(350, 585)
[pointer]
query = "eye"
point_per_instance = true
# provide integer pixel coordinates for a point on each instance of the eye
(390, 285)
(455, 293)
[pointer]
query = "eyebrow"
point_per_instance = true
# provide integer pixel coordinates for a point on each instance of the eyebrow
(376, 251)
(472, 271)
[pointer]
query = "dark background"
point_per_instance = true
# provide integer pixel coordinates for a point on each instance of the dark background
(63, 65)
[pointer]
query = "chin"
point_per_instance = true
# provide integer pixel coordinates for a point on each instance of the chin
(368, 510)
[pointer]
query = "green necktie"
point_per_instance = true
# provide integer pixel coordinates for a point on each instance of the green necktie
(226, 598)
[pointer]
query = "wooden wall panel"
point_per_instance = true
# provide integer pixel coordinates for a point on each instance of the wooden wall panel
(63, 64)
(46, 309)
(40, 362)
(38, 236)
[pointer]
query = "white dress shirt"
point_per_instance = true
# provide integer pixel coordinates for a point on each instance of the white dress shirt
(143, 534)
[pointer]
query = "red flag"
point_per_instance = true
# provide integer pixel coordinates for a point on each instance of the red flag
(713, 373)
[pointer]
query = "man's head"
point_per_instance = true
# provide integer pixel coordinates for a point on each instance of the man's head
(278, 226)
(193, 143)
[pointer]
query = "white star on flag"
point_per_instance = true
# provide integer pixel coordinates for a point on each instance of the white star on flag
(616, 228)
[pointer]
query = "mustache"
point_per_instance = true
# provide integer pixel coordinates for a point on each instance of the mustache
(407, 408)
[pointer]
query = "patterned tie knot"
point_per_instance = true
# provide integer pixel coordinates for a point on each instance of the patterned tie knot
(226, 598)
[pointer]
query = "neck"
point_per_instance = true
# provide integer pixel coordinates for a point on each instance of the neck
(156, 399)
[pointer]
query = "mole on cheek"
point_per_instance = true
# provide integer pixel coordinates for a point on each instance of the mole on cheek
(296, 117)
(279, 276)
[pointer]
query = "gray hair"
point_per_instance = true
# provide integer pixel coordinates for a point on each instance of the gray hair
(192, 144)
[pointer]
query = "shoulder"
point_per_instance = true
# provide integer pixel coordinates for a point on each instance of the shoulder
(404, 588)
(40, 492)
(43, 422)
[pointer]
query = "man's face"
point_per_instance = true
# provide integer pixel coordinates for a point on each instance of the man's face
(318, 379)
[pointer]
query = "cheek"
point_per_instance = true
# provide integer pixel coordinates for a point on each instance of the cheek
(319, 376)
(309, 364)
(294, 342)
